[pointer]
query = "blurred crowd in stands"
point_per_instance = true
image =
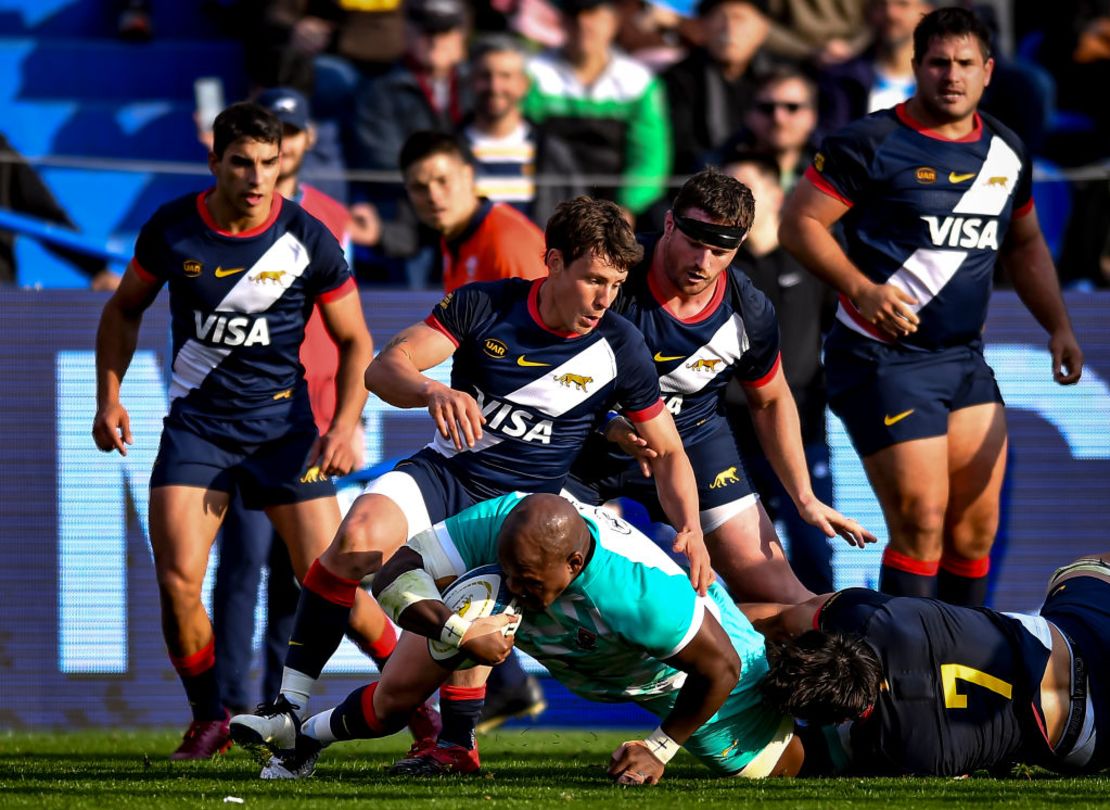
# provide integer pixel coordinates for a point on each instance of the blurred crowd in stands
(559, 97)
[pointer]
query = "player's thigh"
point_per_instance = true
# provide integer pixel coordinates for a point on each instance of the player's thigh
(746, 553)
(183, 525)
(977, 446)
(409, 678)
(307, 527)
(910, 480)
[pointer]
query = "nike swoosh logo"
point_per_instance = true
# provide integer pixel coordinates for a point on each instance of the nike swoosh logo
(898, 417)
(666, 358)
(221, 273)
(959, 178)
(293, 643)
(520, 361)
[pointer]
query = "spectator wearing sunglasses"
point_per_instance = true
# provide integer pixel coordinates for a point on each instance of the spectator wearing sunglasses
(782, 122)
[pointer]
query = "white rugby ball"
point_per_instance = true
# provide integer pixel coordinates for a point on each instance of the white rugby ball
(478, 593)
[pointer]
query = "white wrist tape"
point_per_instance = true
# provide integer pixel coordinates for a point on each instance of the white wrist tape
(408, 589)
(454, 630)
(661, 745)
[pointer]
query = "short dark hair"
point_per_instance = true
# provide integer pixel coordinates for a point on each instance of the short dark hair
(497, 43)
(425, 142)
(706, 6)
(724, 198)
(822, 677)
(764, 162)
(244, 119)
(785, 72)
(587, 224)
(949, 22)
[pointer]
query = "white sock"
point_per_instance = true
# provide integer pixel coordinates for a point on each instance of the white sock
(319, 727)
(297, 687)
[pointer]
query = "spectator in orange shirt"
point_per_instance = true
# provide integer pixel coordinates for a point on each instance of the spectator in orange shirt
(480, 240)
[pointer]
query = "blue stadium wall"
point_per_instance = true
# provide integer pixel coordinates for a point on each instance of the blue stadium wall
(80, 643)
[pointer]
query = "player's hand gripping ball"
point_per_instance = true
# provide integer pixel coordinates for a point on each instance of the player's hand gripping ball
(477, 594)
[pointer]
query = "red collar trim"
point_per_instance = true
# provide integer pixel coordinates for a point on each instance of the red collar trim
(907, 119)
(206, 216)
(534, 311)
(706, 312)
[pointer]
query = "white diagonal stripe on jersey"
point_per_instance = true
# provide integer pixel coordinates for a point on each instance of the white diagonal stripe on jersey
(285, 261)
(192, 366)
(596, 363)
(995, 182)
(724, 349)
(925, 272)
(268, 279)
(446, 447)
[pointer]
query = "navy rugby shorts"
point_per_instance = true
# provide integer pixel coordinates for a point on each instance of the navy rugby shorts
(266, 473)
(886, 394)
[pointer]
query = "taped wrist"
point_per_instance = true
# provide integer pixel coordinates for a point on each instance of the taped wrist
(453, 630)
(408, 589)
(661, 745)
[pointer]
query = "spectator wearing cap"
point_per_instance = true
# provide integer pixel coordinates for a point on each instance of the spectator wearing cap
(711, 89)
(516, 161)
(247, 540)
(480, 240)
(426, 89)
(881, 76)
(610, 108)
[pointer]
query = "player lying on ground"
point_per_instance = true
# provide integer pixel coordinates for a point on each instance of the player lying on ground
(603, 608)
(932, 689)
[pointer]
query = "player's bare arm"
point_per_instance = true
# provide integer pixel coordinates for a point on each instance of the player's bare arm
(623, 433)
(116, 338)
(778, 622)
(712, 670)
(807, 216)
(407, 592)
(334, 452)
(395, 376)
(775, 419)
(678, 494)
(1026, 258)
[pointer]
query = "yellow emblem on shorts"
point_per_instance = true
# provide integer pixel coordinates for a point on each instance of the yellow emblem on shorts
(572, 380)
(724, 478)
(191, 268)
(314, 476)
(446, 300)
(898, 417)
(286, 394)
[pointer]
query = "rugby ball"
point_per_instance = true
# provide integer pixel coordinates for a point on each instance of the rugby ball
(478, 593)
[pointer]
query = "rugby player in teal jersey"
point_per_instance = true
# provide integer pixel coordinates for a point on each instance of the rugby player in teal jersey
(592, 591)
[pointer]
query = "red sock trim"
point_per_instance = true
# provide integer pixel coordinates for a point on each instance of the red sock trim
(368, 713)
(334, 588)
(382, 647)
(963, 567)
(449, 692)
(197, 663)
(904, 562)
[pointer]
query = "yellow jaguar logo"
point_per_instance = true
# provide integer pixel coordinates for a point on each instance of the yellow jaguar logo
(724, 478)
(314, 476)
(572, 380)
(704, 365)
(268, 277)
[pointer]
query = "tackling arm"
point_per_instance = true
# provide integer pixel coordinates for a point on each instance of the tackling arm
(116, 338)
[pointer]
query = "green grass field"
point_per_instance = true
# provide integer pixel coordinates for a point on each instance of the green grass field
(522, 768)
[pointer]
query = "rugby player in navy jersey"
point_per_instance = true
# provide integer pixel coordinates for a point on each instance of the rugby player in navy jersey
(244, 268)
(706, 324)
(921, 687)
(930, 194)
(536, 365)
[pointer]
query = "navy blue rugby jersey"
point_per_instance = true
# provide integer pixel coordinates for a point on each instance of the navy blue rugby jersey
(960, 683)
(239, 304)
(927, 215)
(736, 335)
(542, 392)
